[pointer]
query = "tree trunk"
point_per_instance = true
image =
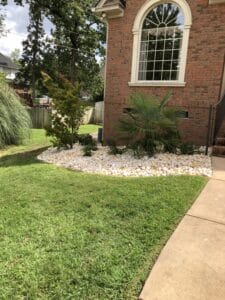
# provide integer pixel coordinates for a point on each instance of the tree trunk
(33, 79)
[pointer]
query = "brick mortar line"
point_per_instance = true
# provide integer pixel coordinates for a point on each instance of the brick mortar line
(205, 219)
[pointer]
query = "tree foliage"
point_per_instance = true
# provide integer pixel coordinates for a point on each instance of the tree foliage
(31, 61)
(14, 119)
(3, 30)
(68, 111)
(78, 37)
(1, 25)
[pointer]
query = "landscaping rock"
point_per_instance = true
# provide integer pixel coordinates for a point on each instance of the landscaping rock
(127, 165)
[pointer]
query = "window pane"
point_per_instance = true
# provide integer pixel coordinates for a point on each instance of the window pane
(144, 46)
(176, 54)
(158, 65)
(167, 65)
(143, 56)
(164, 14)
(142, 76)
(149, 76)
(150, 66)
(144, 35)
(169, 44)
(166, 75)
(168, 55)
(142, 66)
(157, 75)
(159, 55)
(177, 44)
(152, 45)
(175, 65)
(161, 43)
(174, 75)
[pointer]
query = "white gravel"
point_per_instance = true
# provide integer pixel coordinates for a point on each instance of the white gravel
(126, 165)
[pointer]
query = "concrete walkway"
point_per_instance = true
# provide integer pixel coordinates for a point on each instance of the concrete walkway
(192, 264)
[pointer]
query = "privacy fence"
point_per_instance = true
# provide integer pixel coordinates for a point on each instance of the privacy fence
(40, 116)
(94, 114)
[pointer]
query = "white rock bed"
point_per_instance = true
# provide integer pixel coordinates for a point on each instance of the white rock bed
(126, 165)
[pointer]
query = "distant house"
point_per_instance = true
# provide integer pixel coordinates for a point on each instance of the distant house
(44, 101)
(8, 67)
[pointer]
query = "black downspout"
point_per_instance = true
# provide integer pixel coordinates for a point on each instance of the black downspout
(209, 130)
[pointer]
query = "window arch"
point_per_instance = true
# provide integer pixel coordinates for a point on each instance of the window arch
(161, 34)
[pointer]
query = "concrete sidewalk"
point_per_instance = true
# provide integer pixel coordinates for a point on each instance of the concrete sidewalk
(192, 264)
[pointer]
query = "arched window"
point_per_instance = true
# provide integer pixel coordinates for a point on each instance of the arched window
(161, 34)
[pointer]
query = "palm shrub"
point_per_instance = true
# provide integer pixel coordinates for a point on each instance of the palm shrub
(68, 111)
(149, 125)
(15, 122)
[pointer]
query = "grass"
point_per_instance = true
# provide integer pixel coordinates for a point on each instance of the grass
(38, 139)
(89, 129)
(69, 235)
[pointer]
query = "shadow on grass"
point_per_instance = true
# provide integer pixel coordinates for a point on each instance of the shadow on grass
(21, 159)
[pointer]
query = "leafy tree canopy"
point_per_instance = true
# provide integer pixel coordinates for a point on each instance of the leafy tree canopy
(3, 30)
(78, 37)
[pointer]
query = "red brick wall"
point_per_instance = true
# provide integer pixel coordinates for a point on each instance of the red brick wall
(203, 72)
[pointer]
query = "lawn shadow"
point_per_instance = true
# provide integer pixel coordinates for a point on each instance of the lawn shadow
(21, 159)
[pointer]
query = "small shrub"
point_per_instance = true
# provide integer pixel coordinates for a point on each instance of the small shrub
(152, 123)
(85, 139)
(87, 149)
(138, 150)
(88, 143)
(187, 149)
(113, 149)
(94, 146)
(61, 135)
(171, 146)
(68, 111)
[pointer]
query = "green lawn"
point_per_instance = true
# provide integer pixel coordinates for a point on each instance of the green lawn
(69, 235)
(39, 139)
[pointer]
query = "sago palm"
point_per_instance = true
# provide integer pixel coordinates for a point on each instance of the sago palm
(150, 124)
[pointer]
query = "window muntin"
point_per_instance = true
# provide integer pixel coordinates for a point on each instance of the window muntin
(161, 44)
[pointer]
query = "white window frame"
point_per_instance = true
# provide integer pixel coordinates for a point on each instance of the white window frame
(137, 33)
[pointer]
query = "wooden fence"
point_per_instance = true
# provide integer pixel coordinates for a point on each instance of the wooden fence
(99, 112)
(40, 117)
(94, 114)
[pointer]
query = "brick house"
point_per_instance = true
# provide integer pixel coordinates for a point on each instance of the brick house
(157, 46)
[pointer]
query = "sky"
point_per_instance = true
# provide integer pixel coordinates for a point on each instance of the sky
(16, 22)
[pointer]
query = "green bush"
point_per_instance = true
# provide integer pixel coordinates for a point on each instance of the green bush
(150, 124)
(138, 150)
(68, 111)
(113, 149)
(85, 139)
(187, 149)
(15, 122)
(87, 149)
(89, 144)
(62, 136)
